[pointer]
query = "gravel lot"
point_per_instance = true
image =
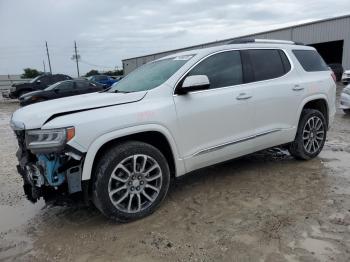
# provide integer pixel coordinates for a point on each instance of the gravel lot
(264, 207)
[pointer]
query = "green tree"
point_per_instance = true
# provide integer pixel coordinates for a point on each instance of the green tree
(30, 73)
(92, 73)
(114, 73)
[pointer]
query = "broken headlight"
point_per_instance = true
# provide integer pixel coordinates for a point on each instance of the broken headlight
(49, 140)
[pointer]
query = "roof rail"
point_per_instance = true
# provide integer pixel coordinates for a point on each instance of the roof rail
(263, 41)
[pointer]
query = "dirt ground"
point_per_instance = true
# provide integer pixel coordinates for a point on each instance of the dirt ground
(264, 207)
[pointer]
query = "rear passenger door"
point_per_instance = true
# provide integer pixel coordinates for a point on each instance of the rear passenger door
(276, 99)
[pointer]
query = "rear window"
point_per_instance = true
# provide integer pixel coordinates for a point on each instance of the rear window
(268, 63)
(310, 60)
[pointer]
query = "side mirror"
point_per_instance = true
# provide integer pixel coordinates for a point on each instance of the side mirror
(194, 83)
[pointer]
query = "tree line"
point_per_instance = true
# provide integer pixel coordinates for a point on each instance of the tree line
(32, 73)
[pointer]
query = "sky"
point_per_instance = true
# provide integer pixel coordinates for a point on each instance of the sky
(107, 31)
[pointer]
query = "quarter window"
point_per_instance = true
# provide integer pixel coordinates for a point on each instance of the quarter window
(310, 60)
(268, 63)
(223, 69)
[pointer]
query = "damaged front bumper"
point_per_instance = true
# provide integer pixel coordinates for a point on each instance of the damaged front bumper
(49, 175)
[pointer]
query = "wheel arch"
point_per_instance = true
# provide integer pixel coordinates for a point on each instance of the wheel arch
(155, 135)
(318, 102)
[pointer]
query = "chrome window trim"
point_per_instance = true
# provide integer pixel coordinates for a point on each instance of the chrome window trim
(243, 84)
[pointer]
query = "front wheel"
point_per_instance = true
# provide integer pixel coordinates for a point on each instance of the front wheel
(131, 180)
(311, 135)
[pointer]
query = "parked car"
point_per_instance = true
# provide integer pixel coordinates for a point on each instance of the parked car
(103, 79)
(337, 69)
(346, 77)
(183, 112)
(37, 83)
(60, 89)
(345, 99)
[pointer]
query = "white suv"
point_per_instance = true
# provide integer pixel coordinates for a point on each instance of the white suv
(120, 148)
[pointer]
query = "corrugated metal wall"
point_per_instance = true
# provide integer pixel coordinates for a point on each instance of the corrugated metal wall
(312, 33)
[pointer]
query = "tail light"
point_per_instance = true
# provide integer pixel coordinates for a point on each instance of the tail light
(334, 77)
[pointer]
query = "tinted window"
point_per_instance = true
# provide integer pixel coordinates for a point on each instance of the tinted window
(101, 78)
(285, 61)
(64, 86)
(267, 64)
(310, 60)
(222, 69)
(45, 80)
(81, 84)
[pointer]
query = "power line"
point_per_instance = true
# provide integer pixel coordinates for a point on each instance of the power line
(100, 66)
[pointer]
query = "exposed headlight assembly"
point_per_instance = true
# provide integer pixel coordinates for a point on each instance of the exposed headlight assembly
(49, 140)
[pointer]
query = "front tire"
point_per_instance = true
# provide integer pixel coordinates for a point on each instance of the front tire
(131, 180)
(311, 135)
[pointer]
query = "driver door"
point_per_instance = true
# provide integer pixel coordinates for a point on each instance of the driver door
(216, 124)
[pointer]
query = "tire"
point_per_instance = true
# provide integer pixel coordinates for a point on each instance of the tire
(115, 174)
(346, 111)
(308, 144)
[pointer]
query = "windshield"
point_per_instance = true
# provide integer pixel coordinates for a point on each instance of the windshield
(34, 79)
(53, 86)
(150, 75)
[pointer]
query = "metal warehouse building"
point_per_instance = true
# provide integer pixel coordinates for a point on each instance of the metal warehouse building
(331, 37)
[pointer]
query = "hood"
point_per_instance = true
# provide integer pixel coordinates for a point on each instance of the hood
(30, 94)
(21, 84)
(36, 115)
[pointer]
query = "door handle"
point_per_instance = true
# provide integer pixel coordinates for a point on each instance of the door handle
(298, 88)
(243, 96)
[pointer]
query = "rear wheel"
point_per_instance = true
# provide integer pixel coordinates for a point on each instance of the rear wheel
(311, 135)
(131, 180)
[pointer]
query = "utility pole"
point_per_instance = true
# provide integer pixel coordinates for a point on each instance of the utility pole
(44, 66)
(48, 57)
(76, 56)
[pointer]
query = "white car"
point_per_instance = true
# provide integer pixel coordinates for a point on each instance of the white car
(345, 99)
(120, 148)
(345, 79)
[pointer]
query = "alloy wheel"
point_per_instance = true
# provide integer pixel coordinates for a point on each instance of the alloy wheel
(135, 183)
(313, 134)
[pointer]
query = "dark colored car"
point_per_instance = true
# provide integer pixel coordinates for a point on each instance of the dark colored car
(60, 89)
(337, 69)
(105, 80)
(39, 83)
